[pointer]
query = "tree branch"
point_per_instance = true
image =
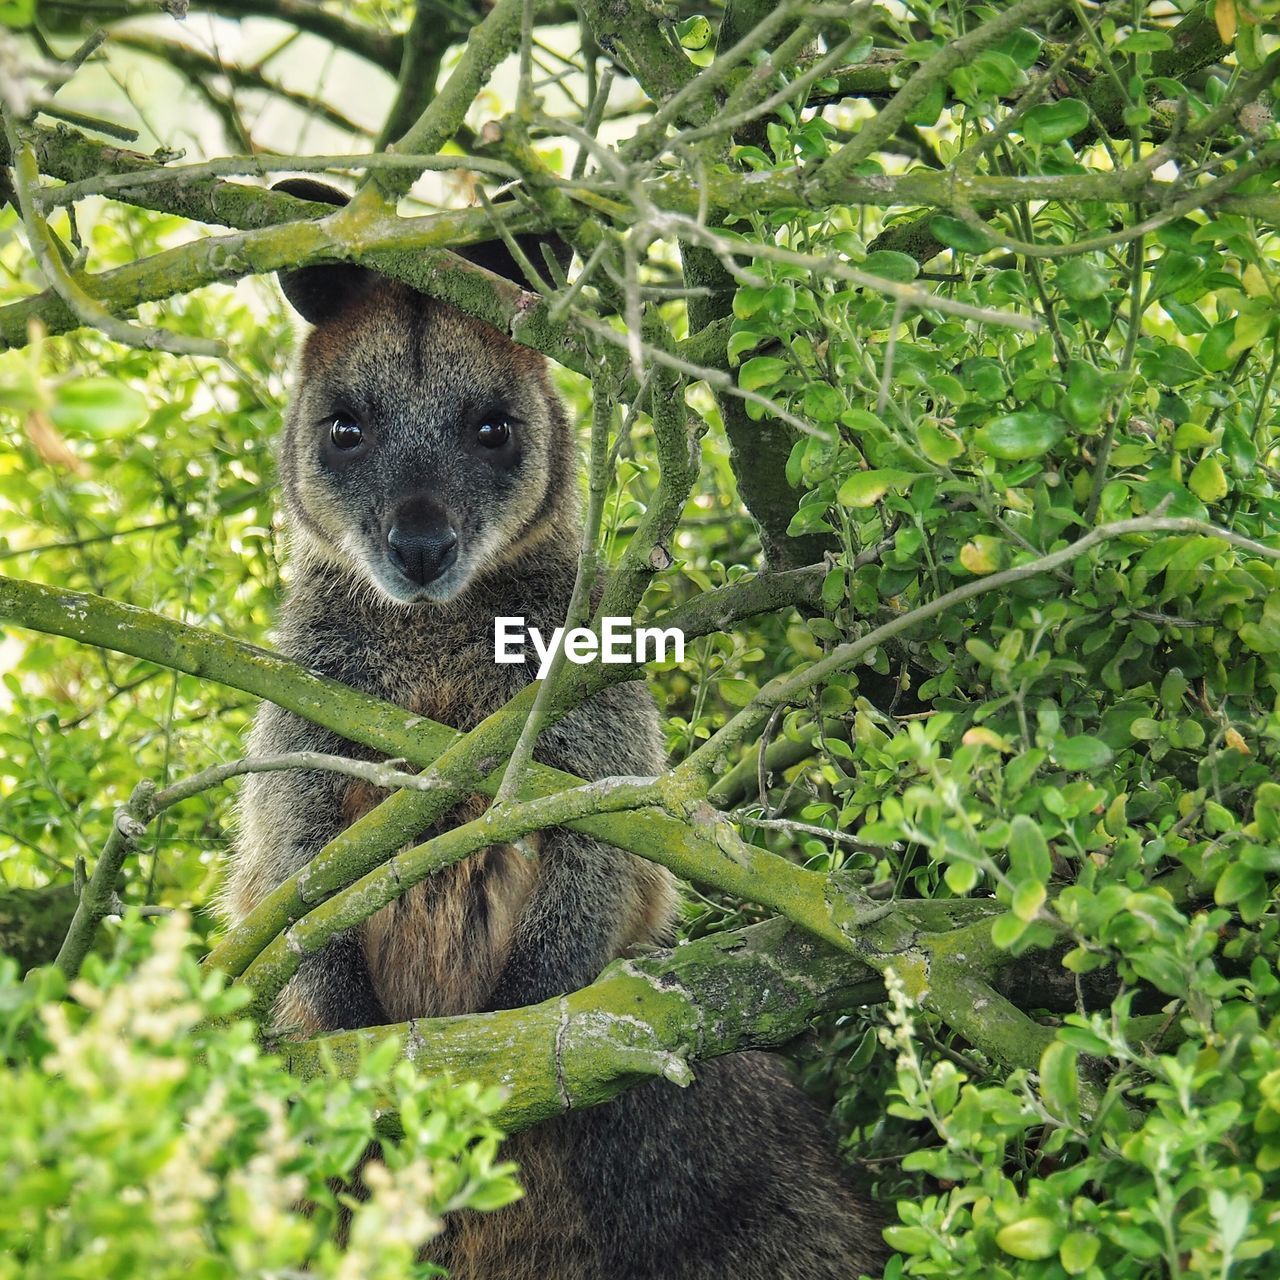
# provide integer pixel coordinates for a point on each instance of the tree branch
(199, 67)
(487, 45)
(629, 33)
(382, 48)
(648, 1017)
(73, 158)
(69, 291)
(97, 895)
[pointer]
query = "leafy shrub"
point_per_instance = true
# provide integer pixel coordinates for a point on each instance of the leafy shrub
(147, 1134)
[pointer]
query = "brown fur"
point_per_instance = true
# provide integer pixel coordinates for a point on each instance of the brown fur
(544, 1234)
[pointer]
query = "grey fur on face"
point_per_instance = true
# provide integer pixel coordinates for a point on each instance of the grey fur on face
(456, 447)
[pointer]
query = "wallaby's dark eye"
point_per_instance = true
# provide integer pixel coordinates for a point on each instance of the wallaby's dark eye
(494, 433)
(346, 433)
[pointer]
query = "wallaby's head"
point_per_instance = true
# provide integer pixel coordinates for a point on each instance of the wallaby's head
(422, 446)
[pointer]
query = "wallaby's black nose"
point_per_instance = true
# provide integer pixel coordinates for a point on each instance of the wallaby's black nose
(422, 551)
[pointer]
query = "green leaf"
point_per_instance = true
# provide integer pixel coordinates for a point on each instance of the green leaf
(929, 108)
(97, 406)
(1082, 754)
(958, 235)
(936, 445)
(1082, 280)
(742, 341)
(1006, 930)
(496, 1195)
(748, 300)
(1170, 366)
(1086, 397)
(1054, 121)
(866, 488)
(1060, 1080)
(1028, 898)
(1207, 480)
(1077, 1252)
(1236, 882)
(761, 371)
(1022, 46)
(1029, 850)
(1016, 436)
(1029, 1239)
(1146, 42)
(908, 1239)
(901, 268)
(694, 33)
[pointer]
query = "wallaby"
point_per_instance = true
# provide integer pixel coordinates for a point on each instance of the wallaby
(430, 483)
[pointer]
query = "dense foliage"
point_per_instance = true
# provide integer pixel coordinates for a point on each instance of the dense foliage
(148, 1134)
(1094, 747)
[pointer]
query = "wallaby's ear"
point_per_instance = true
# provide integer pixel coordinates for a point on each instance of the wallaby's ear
(318, 293)
(493, 255)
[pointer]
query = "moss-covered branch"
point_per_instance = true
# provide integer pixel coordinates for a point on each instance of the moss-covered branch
(384, 727)
(753, 988)
(648, 1017)
(702, 847)
(72, 158)
(633, 35)
(414, 249)
(501, 824)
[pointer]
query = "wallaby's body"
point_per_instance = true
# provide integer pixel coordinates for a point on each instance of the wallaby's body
(406, 543)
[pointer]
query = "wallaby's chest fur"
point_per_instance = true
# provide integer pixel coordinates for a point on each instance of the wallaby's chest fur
(440, 948)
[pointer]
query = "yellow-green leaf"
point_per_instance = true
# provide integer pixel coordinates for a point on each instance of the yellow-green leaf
(982, 555)
(1224, 14)
(1029, 1238)
(1077, 1252)
(866, 488)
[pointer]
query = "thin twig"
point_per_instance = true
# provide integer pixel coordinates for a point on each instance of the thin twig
(580, 600)
(263, 164)
(379, 773)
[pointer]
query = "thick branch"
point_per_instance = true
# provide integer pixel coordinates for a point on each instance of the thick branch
(365, 720)
(71, 157)
(753, 988)
(652, 1016)
(630, 33)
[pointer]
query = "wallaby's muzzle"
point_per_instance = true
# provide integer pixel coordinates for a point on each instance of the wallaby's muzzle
(422, 543)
